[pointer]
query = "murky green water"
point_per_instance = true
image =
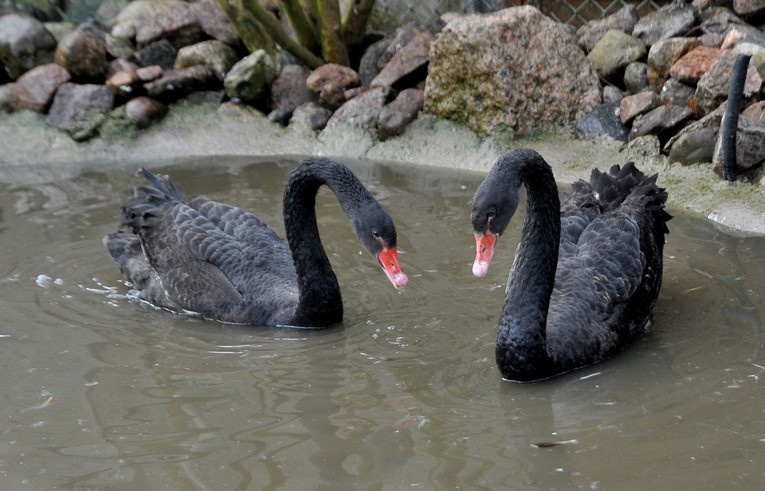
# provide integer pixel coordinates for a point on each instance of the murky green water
(100, 392)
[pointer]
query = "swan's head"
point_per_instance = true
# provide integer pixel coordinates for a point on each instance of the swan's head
(375, 230)
(494, 204)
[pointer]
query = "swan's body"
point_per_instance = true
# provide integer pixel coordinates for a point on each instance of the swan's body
(586, 274)
(223, 263)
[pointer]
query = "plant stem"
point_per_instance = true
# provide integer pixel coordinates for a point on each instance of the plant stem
(355, 20)
(332, 45)
(304, 29)
(250, 32)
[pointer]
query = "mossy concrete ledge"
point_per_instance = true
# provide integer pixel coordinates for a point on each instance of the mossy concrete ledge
(32, 151)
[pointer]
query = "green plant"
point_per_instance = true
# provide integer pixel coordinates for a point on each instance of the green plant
(323, 33)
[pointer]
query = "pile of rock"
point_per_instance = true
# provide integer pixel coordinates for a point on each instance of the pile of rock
(667, 77)
(155, 52)
(659, 81)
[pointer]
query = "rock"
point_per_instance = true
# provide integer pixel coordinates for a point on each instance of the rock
(694, 147)
(615, 51)
(636, 77)
(80, 109)
(672, 20)
(176, 23)
(612, 95)
(60, 29)
(755, 113)
(24, 44)
(137, 12)
(603, 120)
(289, 91)
(83, 54)
(623, 20)
(523, 73)
(710, 121)
(214, 22)
(149, 73)
(94, 28)
(408, 59)
(721, 21)
(161, 53)
(214, 97)
(660, 120)
(120, 65)
(5, 98)
(677, 93)
(749, 8)
(125, 84)
(361, 112)
(750, 151)
(691, 66)
(368, 65)
(35, 89)
(330, 82)
(354, 92)
(311, 115)
(646, 146)
(119, 47)
(174, 84)
(250, 79)
(633, 106)
(143, 111)
(663, 54)
(712, 88)
(395, 116)
(216, 55)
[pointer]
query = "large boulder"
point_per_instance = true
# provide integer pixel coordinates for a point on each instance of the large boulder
(250, 79)
(24, 44)
(515, 69)
(80, 109)
(83, 54)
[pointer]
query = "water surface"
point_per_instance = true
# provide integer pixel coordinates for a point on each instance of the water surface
(99, 391)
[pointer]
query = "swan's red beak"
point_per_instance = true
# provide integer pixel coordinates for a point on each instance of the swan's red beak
(484, 250)
(389, 261)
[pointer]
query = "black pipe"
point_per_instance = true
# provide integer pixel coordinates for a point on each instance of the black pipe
(730, 119)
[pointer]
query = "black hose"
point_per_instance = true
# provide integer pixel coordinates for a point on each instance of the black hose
(730, 119)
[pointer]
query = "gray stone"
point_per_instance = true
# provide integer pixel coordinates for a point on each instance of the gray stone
(672, 20)
(615, 51)
(663, 54)
(24, 44)
(749, 8)
(676, 92)
(60, 29)
(659, 120)
(636, 77)
(612, 95)
(311, 115)
(174, 84)
(214, 21)
(623, 20)
(396, 115)
(80, 109)
(368, 66)
(713, 86)
(119, 47)
(407, 59)
(633, 106)
(35, 89)
(523, 73)
(176, 23)
(361, 112)
(216, 55)
(694, 146)
(84, 55)
(750, 151)
(603, 120)
(250, 79)
(161, 53)
(289, 91)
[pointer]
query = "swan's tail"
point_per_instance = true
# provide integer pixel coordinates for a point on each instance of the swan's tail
(141, 210)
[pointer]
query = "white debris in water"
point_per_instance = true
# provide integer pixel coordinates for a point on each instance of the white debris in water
(45, 281)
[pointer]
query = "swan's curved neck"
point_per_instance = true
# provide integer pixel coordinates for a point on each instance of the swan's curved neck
(522, 335)
(320, 302)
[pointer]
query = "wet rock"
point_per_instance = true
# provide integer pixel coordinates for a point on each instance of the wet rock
(24, 44)
(691, 66)
(623, 20)
(60, 29)
(694, 147)
(35, 89)
(663, 54)
(161, 53)
(614, 51)
(612, 95)
(636, 77)
(214, 22)
(676, 92)
(408, 58)
(330, 82)
(523, 73)
(250, 79)
(216, 55)
(80, 109)
(174, 84)
(712, 88)
(672, 20)
(603, 120)
(289, 91)
(311, 115)
(396, 115)
(361, 112)
(177, 24)
(143, 111)
(660, 120)
(633, 106)
(83, 54)
(120, 65)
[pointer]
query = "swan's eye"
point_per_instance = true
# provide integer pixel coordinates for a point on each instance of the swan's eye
(376, 234)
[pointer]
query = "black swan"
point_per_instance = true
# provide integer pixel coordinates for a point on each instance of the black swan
(586, 274)
(223, 263)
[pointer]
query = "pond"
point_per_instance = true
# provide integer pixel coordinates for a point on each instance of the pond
(99, 391)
